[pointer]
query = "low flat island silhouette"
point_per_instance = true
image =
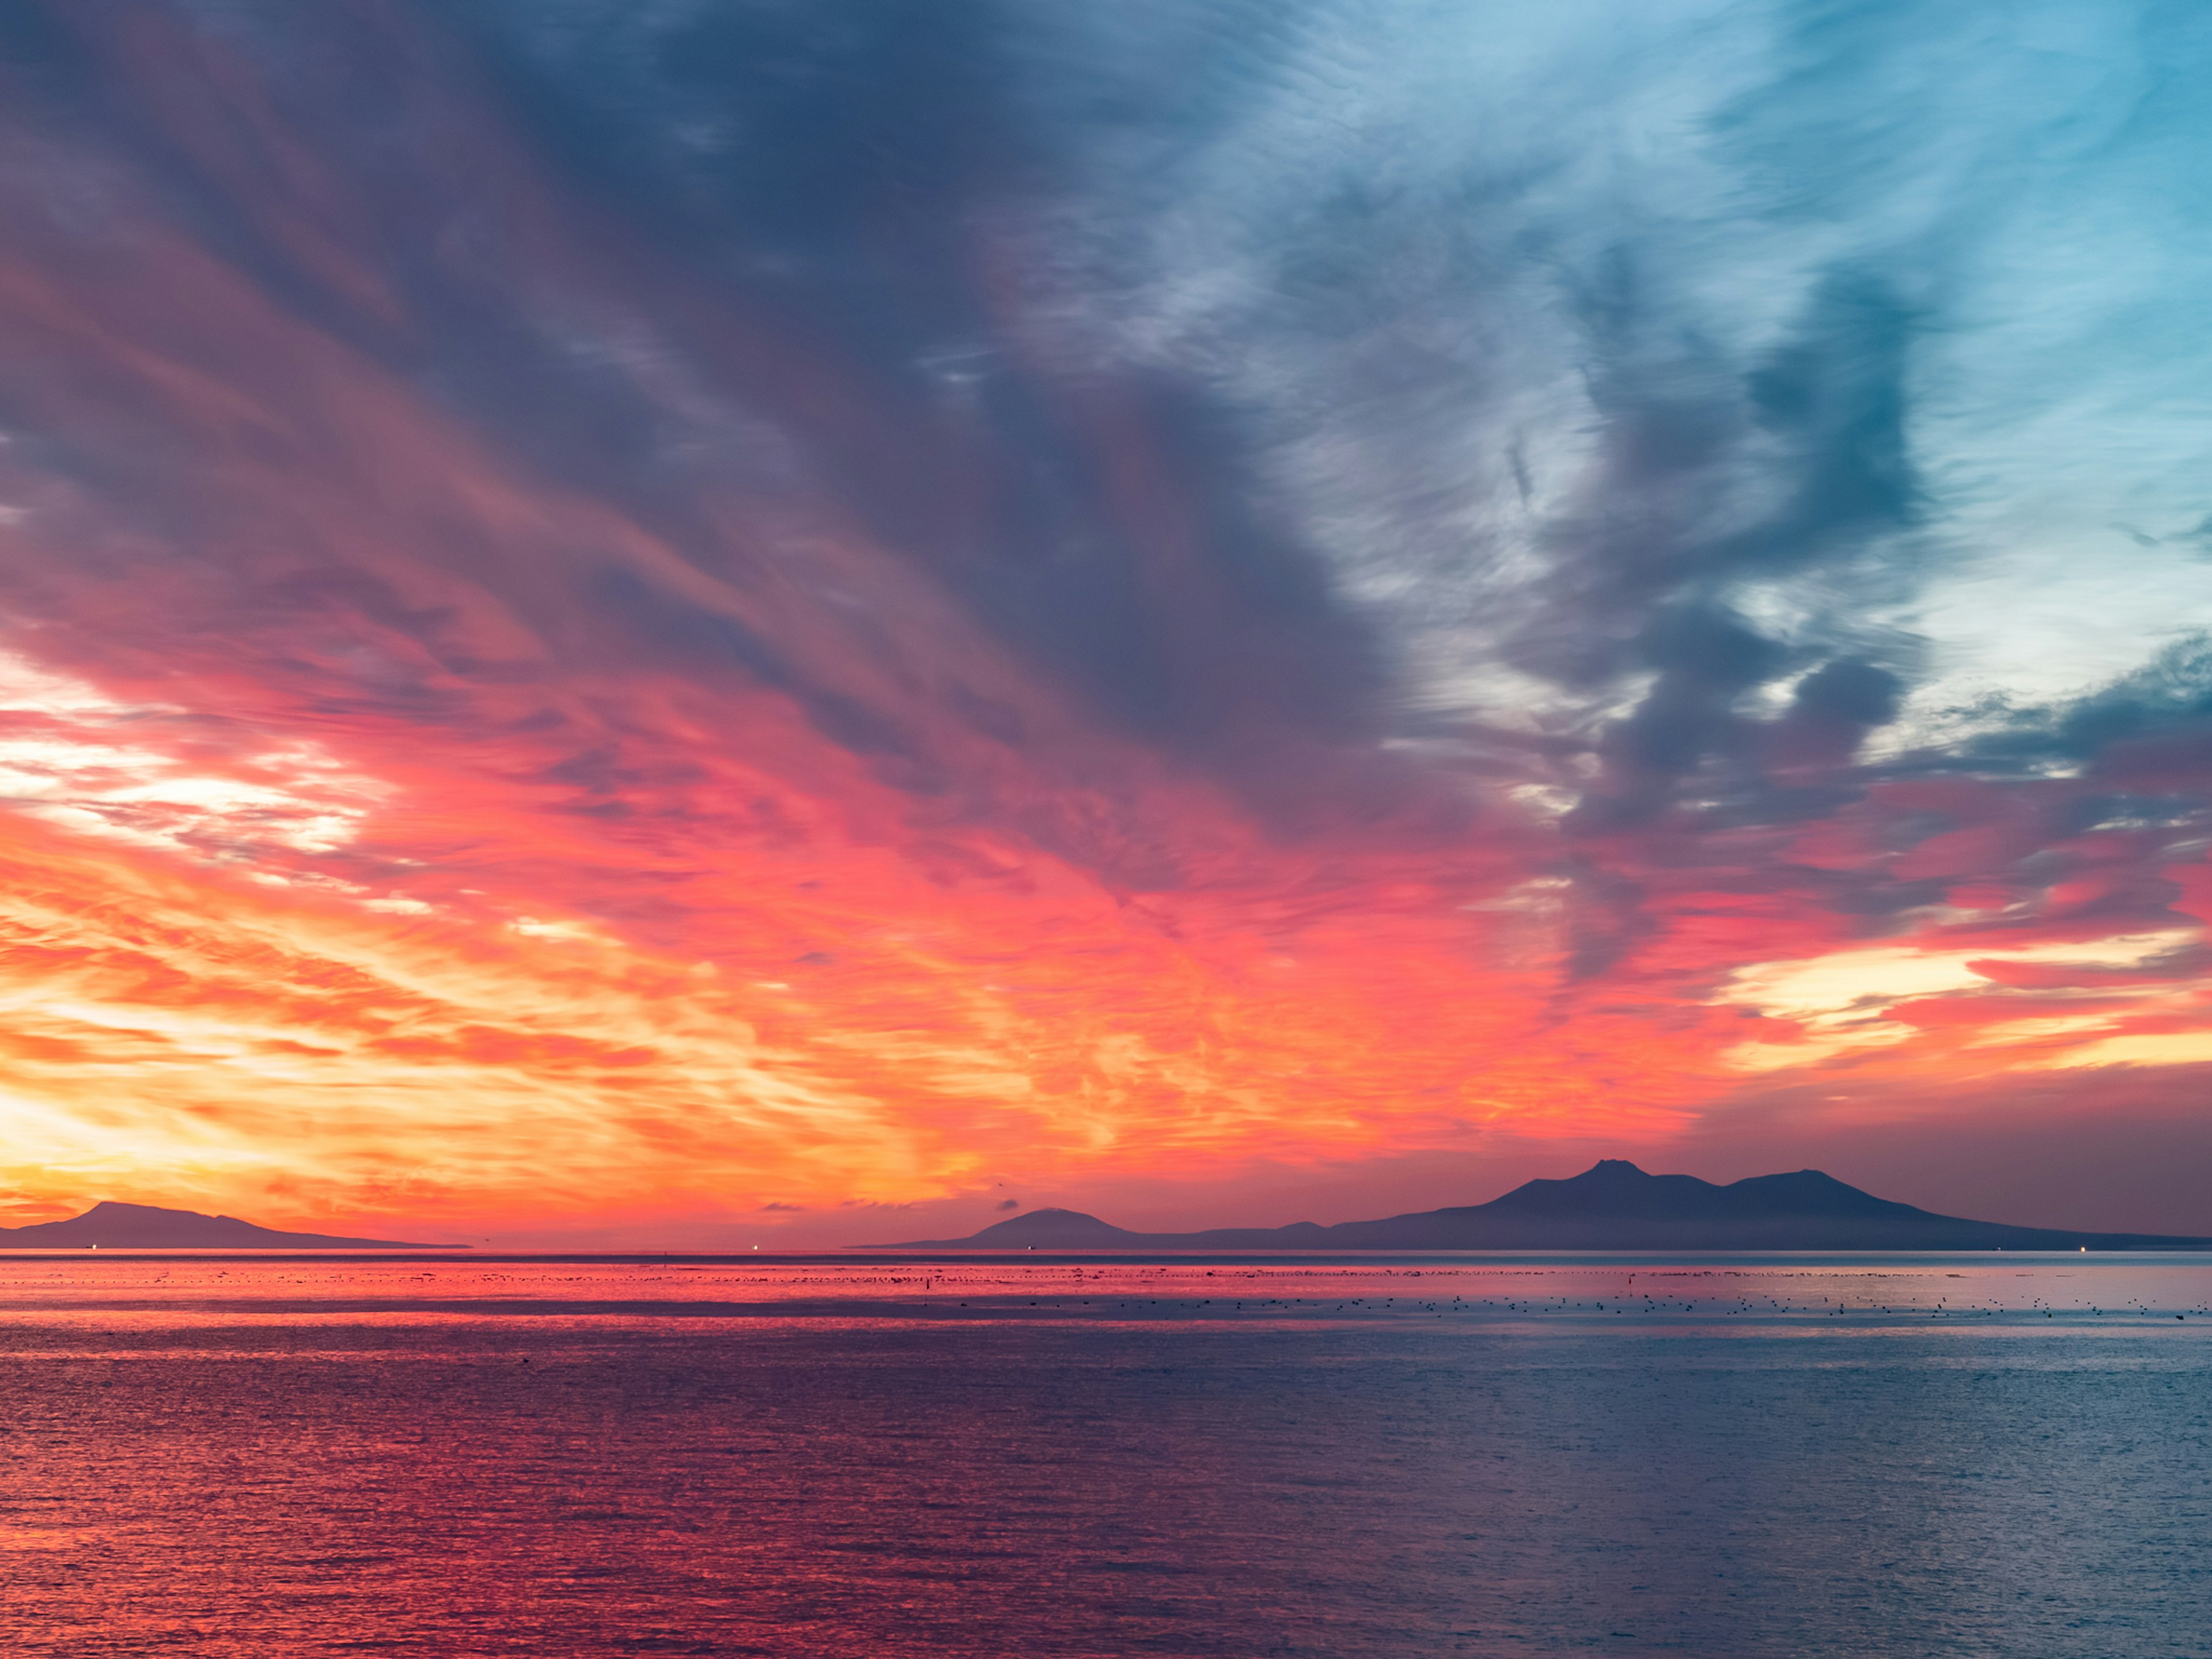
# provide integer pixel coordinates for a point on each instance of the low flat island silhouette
(112, 1226)
(1613, 1205)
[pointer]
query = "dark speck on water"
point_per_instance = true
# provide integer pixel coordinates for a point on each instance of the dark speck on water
(1771, 1456)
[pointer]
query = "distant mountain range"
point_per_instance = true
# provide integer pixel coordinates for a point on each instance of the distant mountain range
(1613, 1205)
(110, 1226)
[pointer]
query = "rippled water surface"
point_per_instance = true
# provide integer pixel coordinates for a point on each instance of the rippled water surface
(1986, 1455)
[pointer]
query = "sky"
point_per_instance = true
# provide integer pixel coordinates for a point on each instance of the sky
(731, 621)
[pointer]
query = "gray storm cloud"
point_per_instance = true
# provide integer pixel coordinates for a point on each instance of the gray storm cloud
(1629, 385)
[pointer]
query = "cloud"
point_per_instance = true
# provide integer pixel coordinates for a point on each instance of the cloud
(73, 757)
(819, 605)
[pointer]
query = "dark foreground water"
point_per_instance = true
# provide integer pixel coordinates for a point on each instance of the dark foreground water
(2006, 1455)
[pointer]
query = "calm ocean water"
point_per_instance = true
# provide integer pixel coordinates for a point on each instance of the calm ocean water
(1988, 1455)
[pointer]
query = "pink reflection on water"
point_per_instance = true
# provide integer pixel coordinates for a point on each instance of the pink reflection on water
(229, 1458)
(2049, 1291)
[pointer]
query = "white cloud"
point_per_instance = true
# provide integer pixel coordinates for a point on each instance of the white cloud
(1844, 1001)
(75, 756)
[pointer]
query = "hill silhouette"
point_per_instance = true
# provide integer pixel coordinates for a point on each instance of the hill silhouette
(112, 1226)
(1613, 1205)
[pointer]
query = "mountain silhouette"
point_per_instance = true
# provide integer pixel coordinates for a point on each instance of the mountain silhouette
(1613, 1205)
(1057, 1230)
(112, 1226)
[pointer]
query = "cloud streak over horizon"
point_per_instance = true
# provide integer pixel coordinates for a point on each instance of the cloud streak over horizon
(708, 616)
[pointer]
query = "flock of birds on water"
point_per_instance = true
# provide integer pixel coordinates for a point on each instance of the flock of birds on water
(1673, 1295)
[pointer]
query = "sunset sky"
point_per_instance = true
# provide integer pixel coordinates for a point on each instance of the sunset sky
(717, 621)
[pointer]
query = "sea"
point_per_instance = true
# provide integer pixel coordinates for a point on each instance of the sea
(1995, 1454)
